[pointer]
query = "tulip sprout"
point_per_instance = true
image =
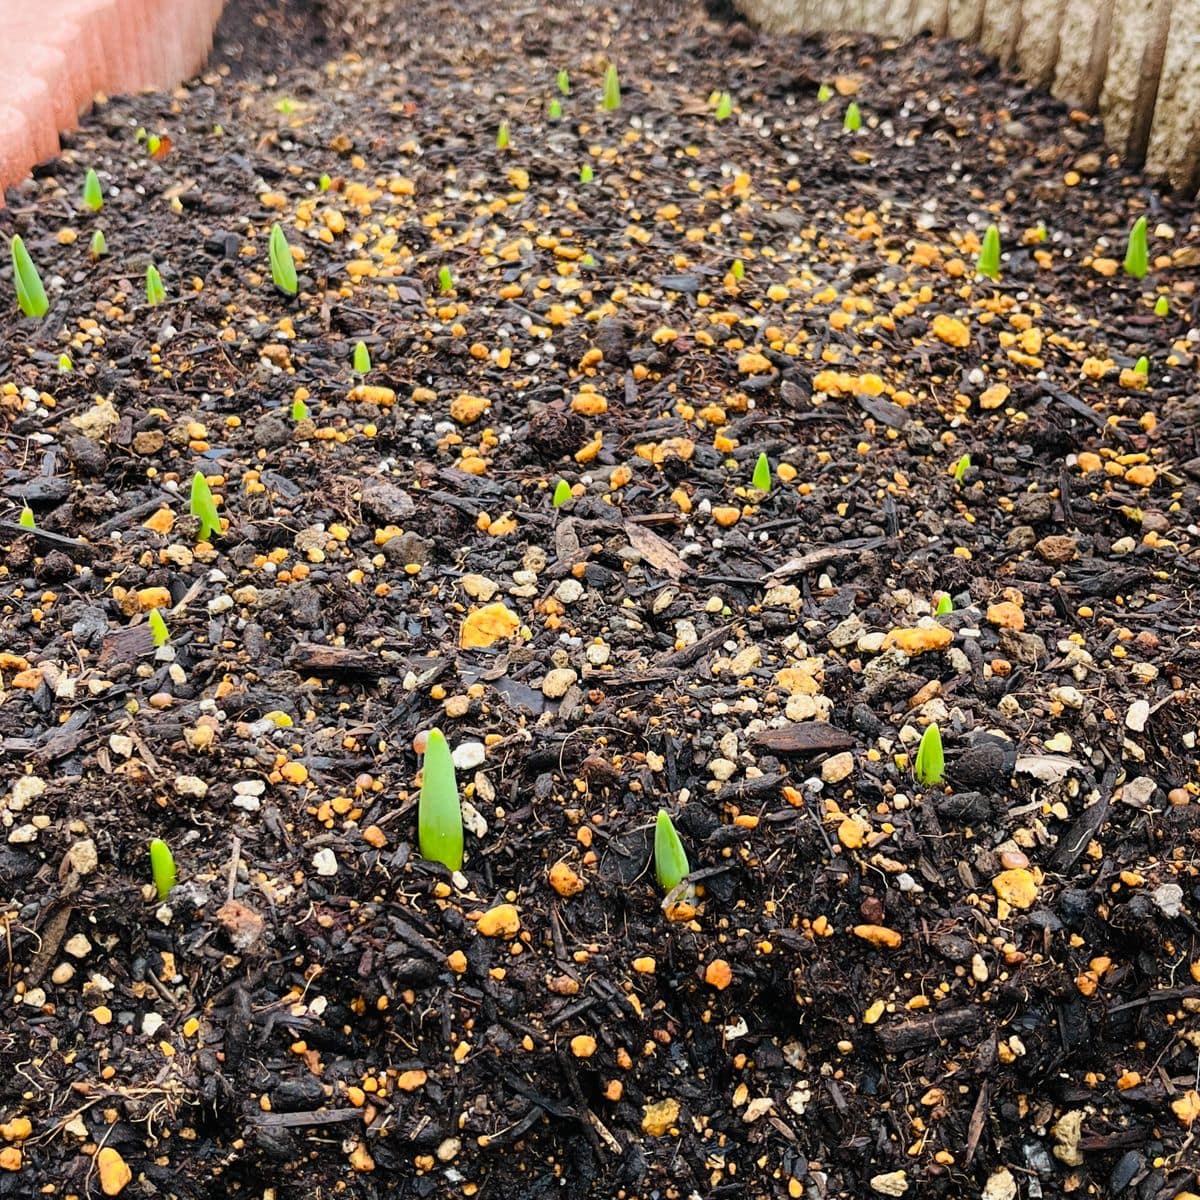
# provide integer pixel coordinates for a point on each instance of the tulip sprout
(93, 194)
(1137, 253)
(162, 867)
(586, 174)
(26, 519)
(612, 88)
(670, 859)
(564, 82)
(98, 246)
(738, 270)
(724, 106)
(930, 763)
(762, 474)
(445, 280)
(944, 605)
(299, 410)
(283, 265)
(502, 136)
(158, 629)
(824, 94)
(1162, 307)
(362, 359)
(155, 292)
(204, 508)
(439, 810)
(31, 296)
(988, 264)
(852, 122)
(961, 468)
(562, 493)
(554, 111)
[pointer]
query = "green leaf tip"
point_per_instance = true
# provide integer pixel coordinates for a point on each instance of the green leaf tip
(852, 122)
(324, 183)
(283, 265)
(299, 411)
(98, 246)
(158, 629)
(670, 859)
(31, 296)
(988, 264)
(724, 107)
(445, 280)
(93, 194)
(612, 88)
(930, 763)
(1142, 366)
(824, 94)
(155, 292)
(738, 270)
(26, 519)
(362, 359)
(562, 493)
(762, 474)
(65, 363)
(503, 136)
(586, 174)
(204, 508)
(944, 605)
(554, 111)
(1162, 307)
(961, 468)
(563, 80)
(162, 868)
(1137, 252)
(439, 810)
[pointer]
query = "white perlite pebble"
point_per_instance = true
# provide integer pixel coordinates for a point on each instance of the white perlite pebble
(468, 755)
(189, 785)
(557, 682)
(1000, 1186)
(721, 769)
(568, 591)
(325, 862)
(1169, 898)
(835, 768)
(1137, 716)
(152, 1022)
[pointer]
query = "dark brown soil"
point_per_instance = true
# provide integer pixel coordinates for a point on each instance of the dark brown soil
(878, 987)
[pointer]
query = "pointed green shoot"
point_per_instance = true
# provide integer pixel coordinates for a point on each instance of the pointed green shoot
(586, 174)
(1142, 367)
(554, 111)
(64, 363)
(944, 605)
(1137, 253)
(612, 88)
(1162, 307)
(31, 296)
(670, 859)
(852, 122)
(588, 260)
(762, 474)
(155, 292)
(1042, 232)
(158, 629)
(204, 508)
(98, 246)
(362, 359)
(824, 94)
(724, 107)
(502, 136)
(93, 194)
(445, 280)
(439, 811)
(564, 82)
(738, 270)
(961, 468)
(562, 493)
(162, 868)
(324, 183)
(930, 763)
(283, 265)
(988, 264)
(299, 411)
(25, 520)
(153, 144)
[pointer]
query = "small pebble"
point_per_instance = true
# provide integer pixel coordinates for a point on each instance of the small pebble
(325, 862)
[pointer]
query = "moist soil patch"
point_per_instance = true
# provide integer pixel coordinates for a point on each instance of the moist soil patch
(981, 515)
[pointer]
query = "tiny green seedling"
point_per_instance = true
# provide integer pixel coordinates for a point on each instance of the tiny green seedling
(563, 80)
(852, 121)
(612, 88)
(324, 183)
(762, 474)
(65, 364)
(1162, 307)
(153, 144)
(1137, 252)
(362, 359)
(824, 94)
(286, 105)
(155, 292)
(31, 296)
(1041, 233)
(988, 264)
(554, 111)
(445, 280)
(299, 410)
(944, 605)
(562, 493)
(1142, 367)
(502, 136)
(158, 629)
(204, 508)
(930, 764)
(283, 265)
(98, 246)
(670, 859)
(439, 810)
(586, 174)
(162, 868)
(724, 107)
(738, 270)
(961, 468)
(25, 520)
(588, 260)
(93, 194)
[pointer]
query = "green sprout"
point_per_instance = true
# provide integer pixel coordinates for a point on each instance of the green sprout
(98, 246)
(324, 183)
(286, 105)
(1042, 232)
(588, 260)
(283, 265)
(961, 468)
(562, 493)
(31, 296)
(502, 136)
(586, 174)
(852, 122)
(724, 107)
(25, 520)
(930, 764)
(670, 859)
(988, 263)
(738, 270)
(204, 508)
(93, 194)
(439, 811)
(554, 111)
(158, 629)
(944, 605)
(1137, 253)
(153, 144)
(299, 410)
(65, 363)
(155, 292)
(824, 94)
(162, 868)
(362, 359)
(564, 82)
(445, 280)
(762, 474)
(1142, 367)
(612, 88)
(1162, 307)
